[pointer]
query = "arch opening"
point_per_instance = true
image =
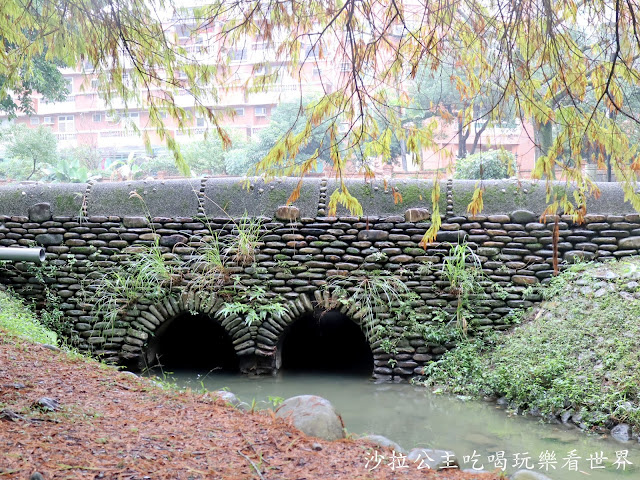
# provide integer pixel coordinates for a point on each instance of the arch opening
(192, 342)
(329, 342)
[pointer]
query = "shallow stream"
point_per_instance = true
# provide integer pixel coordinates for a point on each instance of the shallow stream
(415, 417)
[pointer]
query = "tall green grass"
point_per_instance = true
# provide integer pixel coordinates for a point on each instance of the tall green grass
(17, 319)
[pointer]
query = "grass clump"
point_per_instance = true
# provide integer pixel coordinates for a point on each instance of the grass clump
(17, 319)
(577, 353)
(145, 274)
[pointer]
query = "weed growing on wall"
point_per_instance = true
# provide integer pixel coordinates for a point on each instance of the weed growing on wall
(145, 274)
(253, 303)
(372, 293)
(150, 274)
(463, 270)
(248, 234)
(209, 263)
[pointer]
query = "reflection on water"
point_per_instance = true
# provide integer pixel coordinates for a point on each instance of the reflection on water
(413, 416)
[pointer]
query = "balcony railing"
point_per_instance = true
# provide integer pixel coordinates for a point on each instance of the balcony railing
(191, 131)
(119, 133)
(61, 136)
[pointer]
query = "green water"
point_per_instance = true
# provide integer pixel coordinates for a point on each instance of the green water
(415, 417)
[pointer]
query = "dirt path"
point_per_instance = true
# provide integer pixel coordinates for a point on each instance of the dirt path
(113, 425)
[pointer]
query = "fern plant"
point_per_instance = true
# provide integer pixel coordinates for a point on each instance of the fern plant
(252, 304)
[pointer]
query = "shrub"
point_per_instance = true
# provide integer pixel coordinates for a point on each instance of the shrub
(486, 165)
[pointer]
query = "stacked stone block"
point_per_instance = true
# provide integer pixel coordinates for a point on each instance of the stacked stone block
(298, 252)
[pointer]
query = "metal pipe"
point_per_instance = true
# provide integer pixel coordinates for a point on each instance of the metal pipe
(35, 254)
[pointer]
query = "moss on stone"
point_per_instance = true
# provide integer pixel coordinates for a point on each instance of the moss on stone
(463, 198)
(278, 197)
(362, 191)
(117, 200)
(66, 203)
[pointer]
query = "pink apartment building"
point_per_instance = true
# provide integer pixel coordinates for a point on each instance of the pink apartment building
(84, 118)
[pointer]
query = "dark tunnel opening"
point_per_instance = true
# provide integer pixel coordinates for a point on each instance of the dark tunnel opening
(192, 342)
(330, 342)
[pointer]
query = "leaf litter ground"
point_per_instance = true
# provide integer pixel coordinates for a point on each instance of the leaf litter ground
(114, 425)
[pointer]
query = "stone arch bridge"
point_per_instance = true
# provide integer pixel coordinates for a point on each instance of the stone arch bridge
(87, 228)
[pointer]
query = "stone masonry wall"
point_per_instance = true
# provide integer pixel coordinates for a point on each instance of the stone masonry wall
(85, 227)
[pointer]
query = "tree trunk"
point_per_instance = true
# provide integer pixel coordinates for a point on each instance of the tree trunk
(477, 137)
(34, 169)
(544, 138)
(462, 136)
(543, 135)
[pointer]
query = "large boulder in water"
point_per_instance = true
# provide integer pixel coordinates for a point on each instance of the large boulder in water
(622, 433)
(313, 415)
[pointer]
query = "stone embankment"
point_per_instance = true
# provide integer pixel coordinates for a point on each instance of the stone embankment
(89, 228)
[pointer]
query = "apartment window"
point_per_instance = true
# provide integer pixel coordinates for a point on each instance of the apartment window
(97, 117)
(47, 120)
(261, 111)
(34, 120)
(94, 84)
(345, 67)
(201, 122)
(183, 30)
(397, 30)
(132, 118)
(126, 79)
(311, 51)
(260, 70)
(66, 123)
(113, 118)
(237, 55)
(316, 72)
(239, 112)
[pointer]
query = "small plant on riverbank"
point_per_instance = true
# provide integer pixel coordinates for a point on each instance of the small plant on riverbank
(49, 312)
